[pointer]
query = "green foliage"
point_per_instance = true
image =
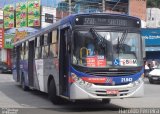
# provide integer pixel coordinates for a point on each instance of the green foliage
(153, 3)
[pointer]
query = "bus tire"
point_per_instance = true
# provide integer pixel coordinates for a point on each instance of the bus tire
(24, 87)
(106, 101)
(52, 93)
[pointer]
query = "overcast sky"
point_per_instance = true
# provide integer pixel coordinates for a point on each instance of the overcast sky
(52, 3)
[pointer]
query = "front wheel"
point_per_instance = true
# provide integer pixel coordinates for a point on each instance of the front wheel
(52, 93)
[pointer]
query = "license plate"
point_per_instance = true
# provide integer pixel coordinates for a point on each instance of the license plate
(112, 92)
(155, 78)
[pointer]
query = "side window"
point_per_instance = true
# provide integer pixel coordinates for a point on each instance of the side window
(45, 39)
(53, 50)
(26, 51)
(45, 47)
(54, 44)
(45, 51)
(38, 48)
(54, 36)
(38, 41)
(38, 52)
(22, 51)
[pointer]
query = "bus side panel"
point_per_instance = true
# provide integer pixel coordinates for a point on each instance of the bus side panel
(50, 70)
(38, 74)
(24, 71)
(43, 69)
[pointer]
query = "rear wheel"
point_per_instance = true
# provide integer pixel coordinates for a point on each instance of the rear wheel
(106, 101)
(52, 94)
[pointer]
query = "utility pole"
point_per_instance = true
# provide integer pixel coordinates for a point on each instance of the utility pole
(103, 5)
(70, 9)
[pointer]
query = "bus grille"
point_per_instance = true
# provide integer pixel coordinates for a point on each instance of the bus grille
(115, 73)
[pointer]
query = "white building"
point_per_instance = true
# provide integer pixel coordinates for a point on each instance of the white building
(153, 17)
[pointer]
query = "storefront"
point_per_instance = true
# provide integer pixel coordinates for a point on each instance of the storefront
(152, 43)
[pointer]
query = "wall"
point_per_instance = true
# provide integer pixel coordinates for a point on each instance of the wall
(153, 17)
(137, 8)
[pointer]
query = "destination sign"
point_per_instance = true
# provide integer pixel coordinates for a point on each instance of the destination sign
(107, 21)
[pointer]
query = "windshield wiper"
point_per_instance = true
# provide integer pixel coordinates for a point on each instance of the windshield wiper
(98, 38)
(121, 41)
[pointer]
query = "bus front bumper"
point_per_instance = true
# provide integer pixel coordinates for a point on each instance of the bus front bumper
(80, 92)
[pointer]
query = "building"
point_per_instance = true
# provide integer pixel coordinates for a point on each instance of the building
(153, 17)
(5, 54)
(152, 43)
(151, 34)
(137, 8)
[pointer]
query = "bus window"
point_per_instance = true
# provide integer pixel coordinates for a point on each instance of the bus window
(94, 48)
(54, 44)
(26, 51)
(87, 47)
(38, 52)
(38, 48)
(22, 51)
(54, 36)
(53, 50)
(45, 51)
(38, 42)
(45, 39)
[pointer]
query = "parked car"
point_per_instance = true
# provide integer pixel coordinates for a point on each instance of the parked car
(154, 75)
(146, 71)
(4, 68)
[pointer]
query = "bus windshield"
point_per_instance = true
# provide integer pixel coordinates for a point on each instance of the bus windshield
(97, 48)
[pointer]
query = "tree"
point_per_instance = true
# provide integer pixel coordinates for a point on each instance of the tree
(153, 3)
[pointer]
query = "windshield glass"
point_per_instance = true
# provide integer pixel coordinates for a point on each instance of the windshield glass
(95, 48)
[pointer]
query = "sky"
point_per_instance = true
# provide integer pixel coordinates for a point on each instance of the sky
(52, 3)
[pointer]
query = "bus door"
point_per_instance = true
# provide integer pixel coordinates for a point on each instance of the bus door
(18, 63)
(63, 63)
(31, 63)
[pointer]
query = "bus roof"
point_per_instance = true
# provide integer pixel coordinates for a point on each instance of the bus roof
(67, 19)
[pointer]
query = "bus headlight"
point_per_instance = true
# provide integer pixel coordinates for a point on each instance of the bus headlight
(75, 78)
(81, 82)
(88, 84)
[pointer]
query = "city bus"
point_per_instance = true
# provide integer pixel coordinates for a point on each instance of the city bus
(95, 56)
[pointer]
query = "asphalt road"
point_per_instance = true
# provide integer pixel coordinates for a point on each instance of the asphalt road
(16, 101)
